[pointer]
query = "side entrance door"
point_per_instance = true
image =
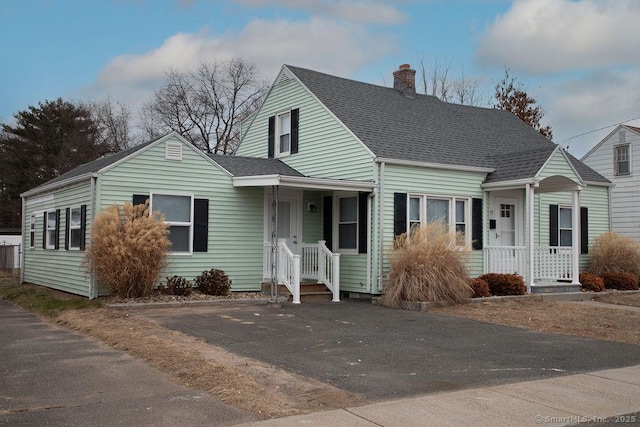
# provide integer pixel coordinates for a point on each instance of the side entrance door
(287, 219)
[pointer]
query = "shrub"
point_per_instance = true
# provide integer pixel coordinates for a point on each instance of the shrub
(613, 253)
(505, 284)
(620, 281)
(213, 282)
(427, 267)
(591, 282)
(128, 249)
(178, 285)
(480, 288)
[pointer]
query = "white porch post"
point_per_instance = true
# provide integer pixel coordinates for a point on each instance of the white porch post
(530, 191)
(575, 237)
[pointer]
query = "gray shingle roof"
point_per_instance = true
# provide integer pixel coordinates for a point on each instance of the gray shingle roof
(252, 166)
(423, 128)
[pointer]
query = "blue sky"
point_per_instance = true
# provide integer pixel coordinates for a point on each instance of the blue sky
(579, 58)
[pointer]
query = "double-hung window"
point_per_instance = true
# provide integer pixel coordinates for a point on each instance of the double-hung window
(178, 213)
(75, 228)
(565, 226)
(621, 159)
(32, 231)
(450, 211)
(284, 134)
(51, 221)
(348, 223)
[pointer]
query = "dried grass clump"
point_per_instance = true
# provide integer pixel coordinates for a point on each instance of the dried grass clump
(505, 284)
(128, 249)
(427, 267)
(613, 253)
(480, 288)
(620, 281)
(591, 282)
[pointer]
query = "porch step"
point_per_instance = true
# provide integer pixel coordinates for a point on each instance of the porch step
(309, 292)
(554, 288)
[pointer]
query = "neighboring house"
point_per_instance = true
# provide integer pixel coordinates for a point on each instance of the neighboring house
(617, 157)
(328, 171)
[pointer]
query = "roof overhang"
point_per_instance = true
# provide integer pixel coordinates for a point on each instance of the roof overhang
(550, 184)
(510, 185)
(58, 184)
(462, 168)
(302, 182)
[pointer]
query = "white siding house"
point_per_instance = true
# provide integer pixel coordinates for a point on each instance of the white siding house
(617, 157)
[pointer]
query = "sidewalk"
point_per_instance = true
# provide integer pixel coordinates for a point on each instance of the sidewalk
(573, 399)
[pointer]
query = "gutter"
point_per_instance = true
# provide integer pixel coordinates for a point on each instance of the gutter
(49, 187)
(462, 168)
(93, 290)
(369, 235)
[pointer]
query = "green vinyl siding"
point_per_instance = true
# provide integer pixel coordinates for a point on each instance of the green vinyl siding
(433, 182)
(557, 165)
(353, 273)
(235, 215)
(312, 221)
(326, 148)
(57, 268)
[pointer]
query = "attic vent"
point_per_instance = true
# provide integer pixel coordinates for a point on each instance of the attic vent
(173, 151)
(284, 77)
(621, 137)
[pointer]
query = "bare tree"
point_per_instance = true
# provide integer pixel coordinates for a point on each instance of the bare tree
(511, 96)
(114, 124)
(207, 105)
(437, 79)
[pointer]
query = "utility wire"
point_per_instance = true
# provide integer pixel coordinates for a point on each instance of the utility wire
(596, 130)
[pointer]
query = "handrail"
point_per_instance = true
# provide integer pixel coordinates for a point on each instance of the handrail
(289, 270)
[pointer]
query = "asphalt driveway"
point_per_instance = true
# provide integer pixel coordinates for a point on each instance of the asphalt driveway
(384, 353)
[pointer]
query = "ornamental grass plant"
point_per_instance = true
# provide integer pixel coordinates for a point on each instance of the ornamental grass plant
(614, 253)
(128, 249)
(428, 266)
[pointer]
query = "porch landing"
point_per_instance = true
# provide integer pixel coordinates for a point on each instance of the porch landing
(555, 287)
(310, 291)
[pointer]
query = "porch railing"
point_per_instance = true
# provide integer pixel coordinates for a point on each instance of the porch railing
(316, 262)
(550, 262)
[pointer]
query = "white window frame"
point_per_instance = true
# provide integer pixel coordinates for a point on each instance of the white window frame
(74, 227)
(32, 231)
(177, 223)
(50, 240)
(451, 219)
(572, 229)
(337, 222)
(279, 134)
(617, 161)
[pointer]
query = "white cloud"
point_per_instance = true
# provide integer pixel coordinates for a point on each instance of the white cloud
(364, 11)
(545, 36)
(585, 105)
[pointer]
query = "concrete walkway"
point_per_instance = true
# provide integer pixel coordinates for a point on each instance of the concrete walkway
(598, 397)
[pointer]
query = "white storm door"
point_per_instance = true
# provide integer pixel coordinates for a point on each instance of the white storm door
(506, 224)
(288, 221)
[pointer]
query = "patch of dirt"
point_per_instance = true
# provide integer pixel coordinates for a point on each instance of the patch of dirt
(577, 318)
(630, 299)
(248, 384)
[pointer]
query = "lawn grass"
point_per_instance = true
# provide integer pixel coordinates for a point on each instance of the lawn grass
(40, 300)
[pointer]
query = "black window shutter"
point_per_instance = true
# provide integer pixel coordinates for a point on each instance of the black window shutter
(44, 231)
(272, 137)
(139, 199)
(57, 242)
(83, 226)
(200, 225)
(66, 228)
(584, 230)
(399, 213)
(362, 223)
(295, 118)
(553, 225)
(476, 224)
(327, 221)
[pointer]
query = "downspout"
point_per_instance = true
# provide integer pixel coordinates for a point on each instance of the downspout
(530, 235)
(369, 234)
(22, 249)
(93, 291)
(381, 228)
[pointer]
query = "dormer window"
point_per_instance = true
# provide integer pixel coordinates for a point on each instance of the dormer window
(621, 160)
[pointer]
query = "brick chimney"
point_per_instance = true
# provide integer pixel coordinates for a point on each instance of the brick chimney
(404, 79)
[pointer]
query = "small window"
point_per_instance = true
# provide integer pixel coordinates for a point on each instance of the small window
(461, 216)
(565, 226)
(621, 156)
(348, 223)
(32, 231)
(415, 209)
(52, 231)
(75, 228)
(177, 211)
(284, 134)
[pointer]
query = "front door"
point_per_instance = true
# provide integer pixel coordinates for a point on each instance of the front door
(287, 219)
(506, 224)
